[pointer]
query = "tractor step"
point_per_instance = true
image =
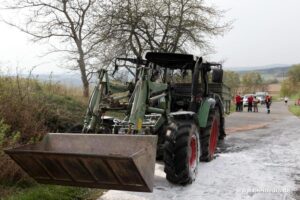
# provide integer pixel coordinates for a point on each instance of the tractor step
(120, 162)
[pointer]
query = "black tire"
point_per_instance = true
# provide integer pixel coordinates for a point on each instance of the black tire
(181, 154)
(209, 135)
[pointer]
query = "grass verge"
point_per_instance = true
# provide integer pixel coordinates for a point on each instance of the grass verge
(50, 192)
(295, 110)
(28, 110)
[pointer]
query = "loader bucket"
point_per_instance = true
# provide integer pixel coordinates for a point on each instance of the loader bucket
(121, 162)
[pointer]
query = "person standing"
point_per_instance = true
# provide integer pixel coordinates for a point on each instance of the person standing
(238, 102)
(255, 104)
(286, 99)
(268, 103)
(250, 103)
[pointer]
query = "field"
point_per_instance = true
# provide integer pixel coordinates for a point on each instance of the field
(274, 89)
(268, 72)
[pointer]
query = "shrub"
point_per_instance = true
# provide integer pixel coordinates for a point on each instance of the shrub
(9, 172)
(28, 110)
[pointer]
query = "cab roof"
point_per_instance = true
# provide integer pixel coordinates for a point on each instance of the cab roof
(172, 60)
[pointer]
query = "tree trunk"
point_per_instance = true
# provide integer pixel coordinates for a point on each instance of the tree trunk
(85, 82)
(86, 89)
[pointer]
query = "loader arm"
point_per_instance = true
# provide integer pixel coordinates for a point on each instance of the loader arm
(145, 92)
(138, 109)
(103, 98)
(91, 115)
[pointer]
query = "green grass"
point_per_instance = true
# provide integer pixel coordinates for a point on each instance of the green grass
(295, 96)
(295, 110)
(276, 98)
(50, 192)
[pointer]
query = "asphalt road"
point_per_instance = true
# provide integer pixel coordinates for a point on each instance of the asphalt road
(260, 159)
(243, 121)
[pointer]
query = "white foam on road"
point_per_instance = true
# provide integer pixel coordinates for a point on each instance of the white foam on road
(259, 164)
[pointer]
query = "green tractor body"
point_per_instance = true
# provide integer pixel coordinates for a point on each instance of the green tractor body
(164, 118)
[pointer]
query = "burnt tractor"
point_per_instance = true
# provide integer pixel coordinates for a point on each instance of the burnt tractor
(175, 111)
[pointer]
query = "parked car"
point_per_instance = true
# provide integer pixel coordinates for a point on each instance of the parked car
(261, 96)
(245, 99)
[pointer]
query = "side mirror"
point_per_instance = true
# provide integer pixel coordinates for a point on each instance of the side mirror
(217, 75)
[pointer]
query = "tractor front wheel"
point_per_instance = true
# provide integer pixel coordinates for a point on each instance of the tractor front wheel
(181, 154)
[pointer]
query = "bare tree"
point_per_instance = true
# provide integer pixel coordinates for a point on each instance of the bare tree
(73, 23)
(163, 25)
(93, 32)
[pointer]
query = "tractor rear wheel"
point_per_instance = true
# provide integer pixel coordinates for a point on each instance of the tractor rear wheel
(209, 135)
(181, 154)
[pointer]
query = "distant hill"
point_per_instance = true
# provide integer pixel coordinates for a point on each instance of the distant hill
(268, 72)
(251, 68)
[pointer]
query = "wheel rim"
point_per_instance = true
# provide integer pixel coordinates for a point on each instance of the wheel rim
(193, 154)
(213, 137)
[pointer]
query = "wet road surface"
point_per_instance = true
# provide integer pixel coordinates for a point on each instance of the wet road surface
(260, 159)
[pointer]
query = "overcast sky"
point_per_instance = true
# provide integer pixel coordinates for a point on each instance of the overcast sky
(264, 32)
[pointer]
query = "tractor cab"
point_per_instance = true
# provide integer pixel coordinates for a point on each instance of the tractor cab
(181, 68)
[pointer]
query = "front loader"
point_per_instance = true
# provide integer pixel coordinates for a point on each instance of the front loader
(181, 122)
(108, 96)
